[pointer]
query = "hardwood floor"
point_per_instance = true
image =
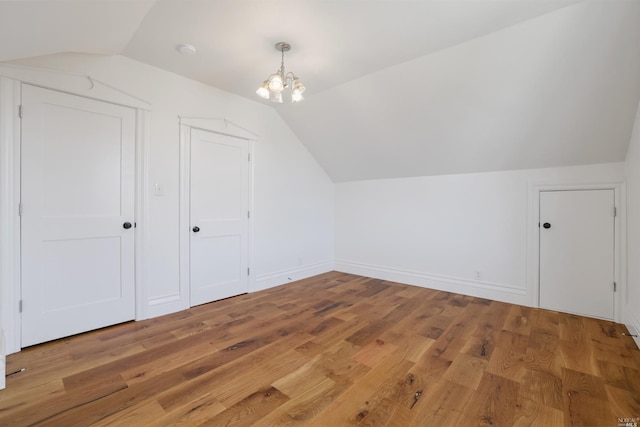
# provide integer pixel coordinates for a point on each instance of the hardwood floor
(334, 350)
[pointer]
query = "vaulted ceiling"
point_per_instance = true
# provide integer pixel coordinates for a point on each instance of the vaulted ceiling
(394, 87)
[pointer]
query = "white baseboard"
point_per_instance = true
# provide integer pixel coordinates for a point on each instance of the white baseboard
(633, 325)
(481, 289)
(266, 281)
(172, 303)
(164, 305)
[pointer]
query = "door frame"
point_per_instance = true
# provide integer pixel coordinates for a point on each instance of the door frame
(219, 126)
(620, 246)
(11, 80)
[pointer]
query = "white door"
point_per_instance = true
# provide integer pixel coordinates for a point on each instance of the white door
(219, 209)
(77, 204)
(577, 252)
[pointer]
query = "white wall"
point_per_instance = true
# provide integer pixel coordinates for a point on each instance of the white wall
(632, 298)
(432, 231)
(440, 231)
(293, 197)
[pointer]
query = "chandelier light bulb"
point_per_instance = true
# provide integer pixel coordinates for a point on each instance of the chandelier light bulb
(276, 83)
(263, 90)
(296, 90)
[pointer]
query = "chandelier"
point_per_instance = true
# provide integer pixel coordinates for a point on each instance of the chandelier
(276, 83)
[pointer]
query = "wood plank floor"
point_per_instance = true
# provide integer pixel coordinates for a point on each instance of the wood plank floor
(334, 350)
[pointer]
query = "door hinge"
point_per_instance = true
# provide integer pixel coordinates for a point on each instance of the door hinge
(615, 286)
(20, 306)
(20, 111)
(20, 209)
(248, 214)
(615, 211)
(248, 157)
(248, 271)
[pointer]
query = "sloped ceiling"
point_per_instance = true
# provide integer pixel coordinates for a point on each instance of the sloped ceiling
(394, 88)
(558, 90)
(33, 28)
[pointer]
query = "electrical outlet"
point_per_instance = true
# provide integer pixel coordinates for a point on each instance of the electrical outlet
(478, 275)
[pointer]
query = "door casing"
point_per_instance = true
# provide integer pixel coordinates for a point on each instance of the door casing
(533, 238)
(11, 79)
(223, 127)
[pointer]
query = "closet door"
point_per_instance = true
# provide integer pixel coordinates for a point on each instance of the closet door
(219, 223)
(577, 247)
(77, 223)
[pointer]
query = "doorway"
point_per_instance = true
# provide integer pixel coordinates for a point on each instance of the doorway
(77, 214)
(217, 217)
(577, 251)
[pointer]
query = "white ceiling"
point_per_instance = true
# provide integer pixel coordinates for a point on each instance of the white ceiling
(332, 41)
(33, 28)
(394, 88)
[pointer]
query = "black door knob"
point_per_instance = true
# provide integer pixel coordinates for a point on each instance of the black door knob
(196, 229)
(546, 225)
(126, 225)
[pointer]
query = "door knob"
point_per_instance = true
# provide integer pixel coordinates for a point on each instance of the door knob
(196, 229)
(546, 225)
(126, 225)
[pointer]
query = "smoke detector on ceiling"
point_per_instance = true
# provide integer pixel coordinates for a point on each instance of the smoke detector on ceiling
(186, 49)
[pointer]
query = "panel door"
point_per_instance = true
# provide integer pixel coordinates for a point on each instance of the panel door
(577, 252)
(219, 206)
(77, 193)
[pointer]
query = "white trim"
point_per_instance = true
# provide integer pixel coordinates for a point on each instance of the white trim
(633, 325)
(167, 304)
(533, 238)
(73, 83)
(141, 211)
(164, 299)
(250, 260)
(185, 202)
(266, 281)
(220, 126)
(481, 289)
(9, 219)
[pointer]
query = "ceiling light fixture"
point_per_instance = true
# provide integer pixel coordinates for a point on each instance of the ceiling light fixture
(272, 87)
